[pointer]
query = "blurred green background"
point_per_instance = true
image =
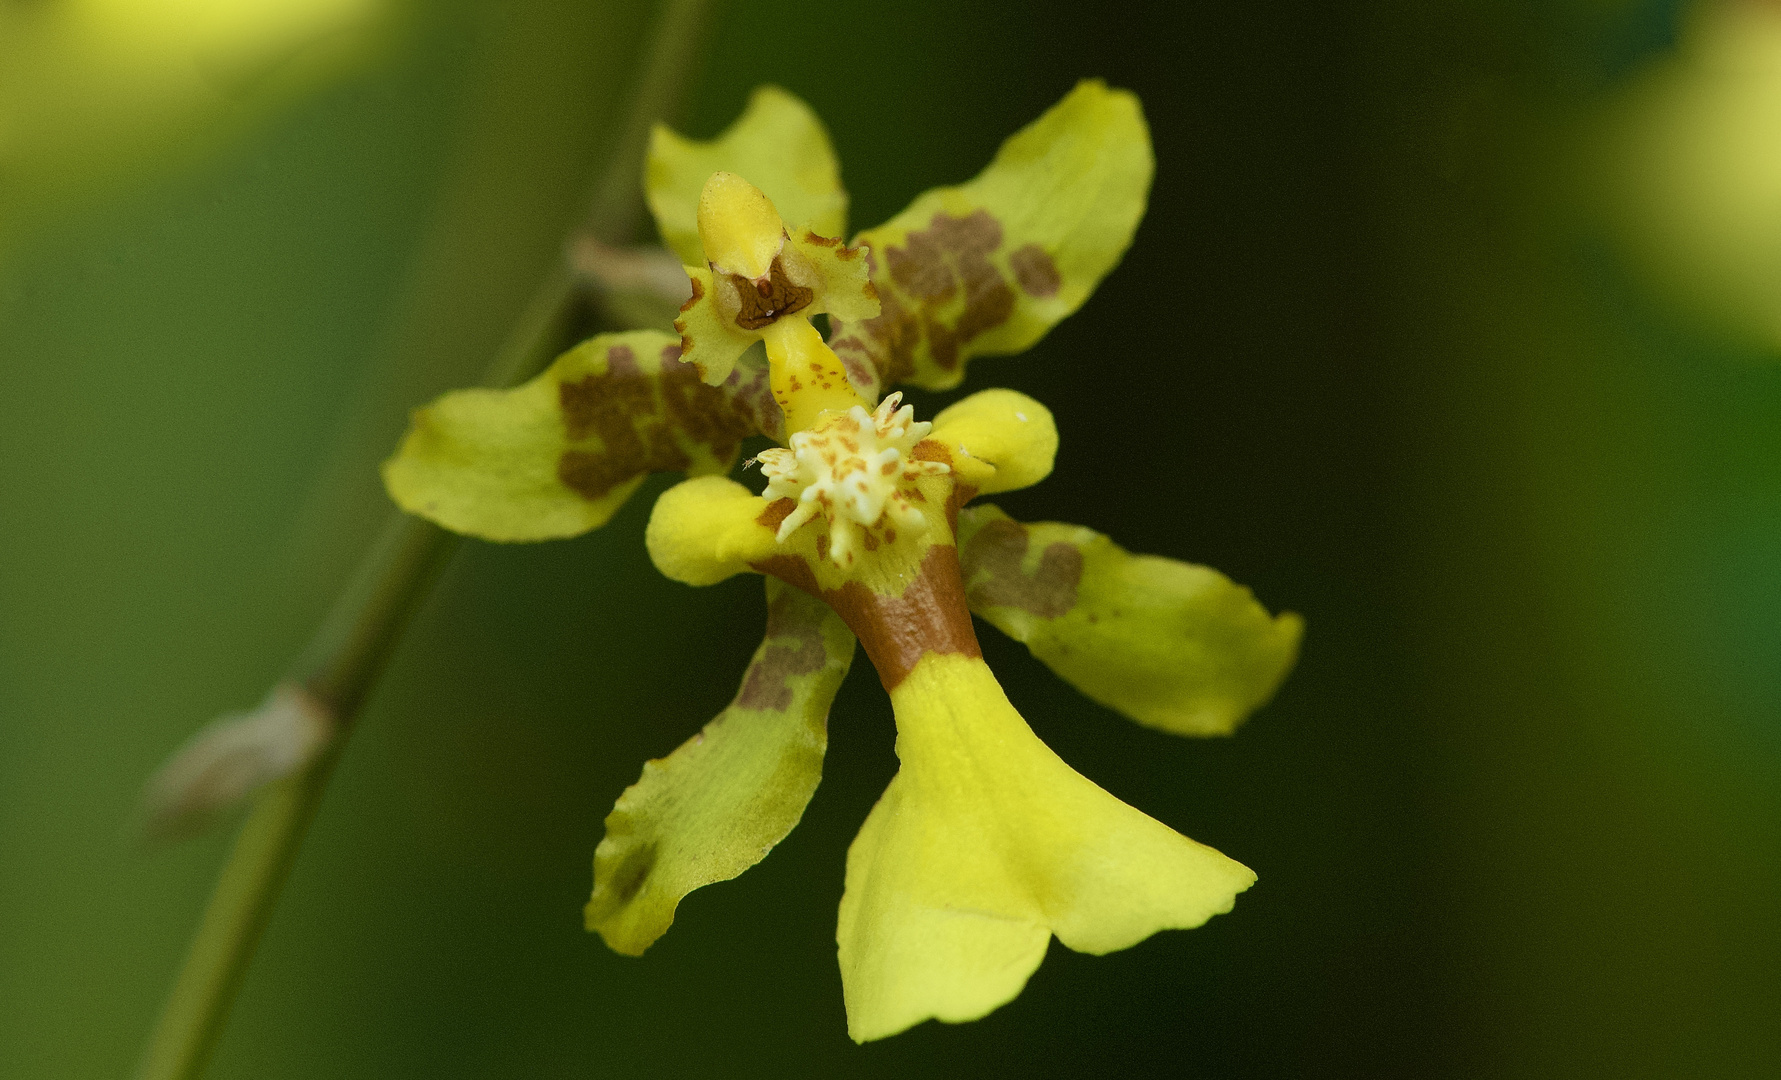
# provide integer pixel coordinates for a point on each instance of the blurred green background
(1517, 813)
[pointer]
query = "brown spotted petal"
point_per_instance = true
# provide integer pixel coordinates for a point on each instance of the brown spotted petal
(1172, 645)
(986, 268)
(717, 805)
(560, 454)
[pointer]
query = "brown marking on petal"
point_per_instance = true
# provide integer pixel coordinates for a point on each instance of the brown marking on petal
(930, 450)
(702, 413)
(767, 300)
(793, 648)
(776, 513)
(752, 396)
(783, 622)
(887, 341)
(603, 404)
(956, 498)
(928, 616)
(899, 335)
(641, 422)
(977, 233)
(1035, 271)
(793, 570)
(765, 686)
(592, 475)
(943, 344)
(999, 549)
(686, 339)
(920, 268)
(620, 360)
(934, 262)
(984, 310)
(824, 241)
(621, 884)
(870, 539)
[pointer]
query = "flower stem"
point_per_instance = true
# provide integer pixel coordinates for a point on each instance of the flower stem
(343, 661)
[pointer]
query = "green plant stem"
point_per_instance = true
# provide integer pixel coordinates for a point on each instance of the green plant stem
(342, 664)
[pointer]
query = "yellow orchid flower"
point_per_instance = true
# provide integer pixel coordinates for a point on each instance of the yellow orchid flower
(986, 844)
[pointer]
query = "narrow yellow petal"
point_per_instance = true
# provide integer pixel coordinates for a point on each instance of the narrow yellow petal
(760, 280)
(1174, 646)
(718, 804)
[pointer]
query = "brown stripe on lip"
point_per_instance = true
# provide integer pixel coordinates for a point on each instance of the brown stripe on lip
(928, 616)
(775, 513)
(961, 494)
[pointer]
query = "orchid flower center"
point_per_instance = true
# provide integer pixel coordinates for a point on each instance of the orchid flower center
(857, 470)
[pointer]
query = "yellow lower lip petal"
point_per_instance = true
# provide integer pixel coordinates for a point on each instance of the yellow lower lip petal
(986, 844)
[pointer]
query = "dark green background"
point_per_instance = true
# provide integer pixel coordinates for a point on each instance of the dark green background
(1517, 814)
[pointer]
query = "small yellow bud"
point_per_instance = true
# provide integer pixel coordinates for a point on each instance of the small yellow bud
(739, 227)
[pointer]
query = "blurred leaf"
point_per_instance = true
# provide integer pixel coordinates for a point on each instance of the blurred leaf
(92, 91)
(1692, 169)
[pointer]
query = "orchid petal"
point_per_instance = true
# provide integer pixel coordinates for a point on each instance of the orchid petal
(984, 846)
(777, 143)
(989, 266)
(1172, 645)
(560, 454)
(720, 802)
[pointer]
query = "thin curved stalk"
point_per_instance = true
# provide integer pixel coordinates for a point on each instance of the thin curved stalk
(348, 654)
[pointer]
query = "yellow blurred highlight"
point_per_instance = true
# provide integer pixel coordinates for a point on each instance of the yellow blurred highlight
(1693, 168)
(92, 91)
